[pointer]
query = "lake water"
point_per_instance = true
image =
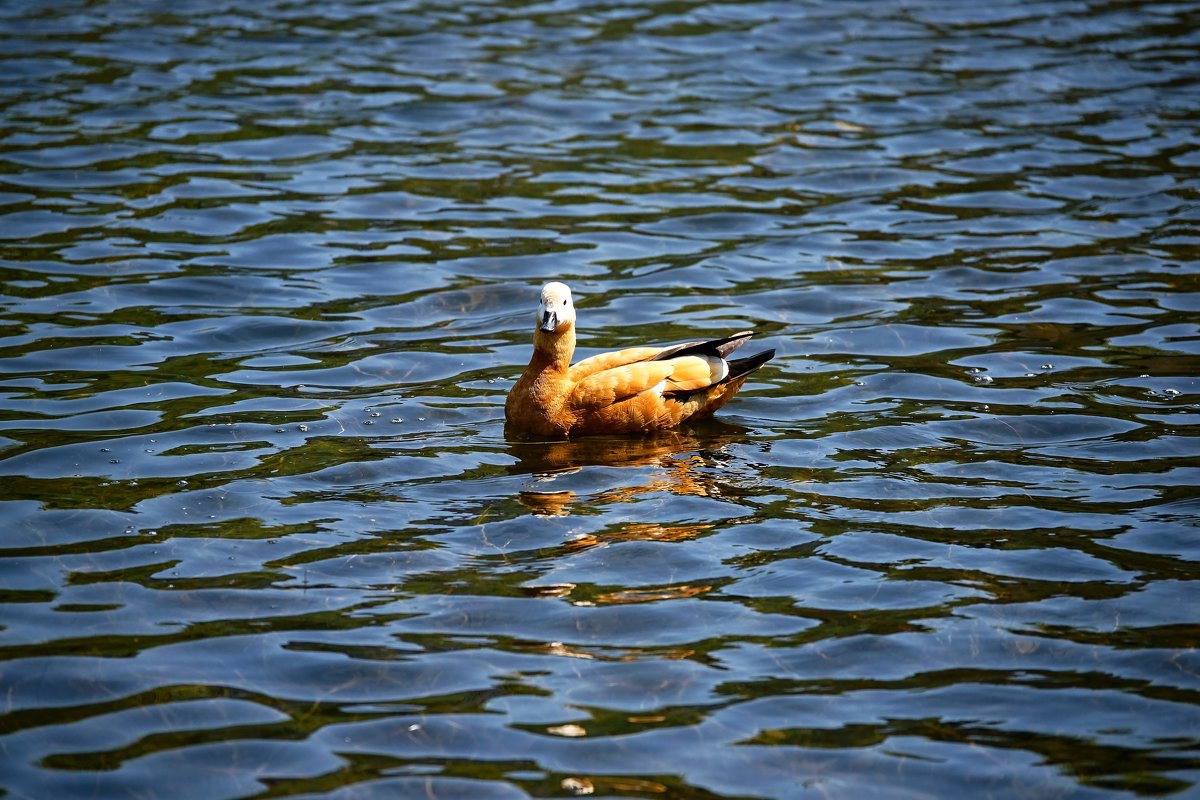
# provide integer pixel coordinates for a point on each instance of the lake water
(269, 269)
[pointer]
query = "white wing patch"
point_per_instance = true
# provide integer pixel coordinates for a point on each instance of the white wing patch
(719, 367)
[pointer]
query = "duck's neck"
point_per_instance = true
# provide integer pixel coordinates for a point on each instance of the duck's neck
(552, 352)
(536, 403)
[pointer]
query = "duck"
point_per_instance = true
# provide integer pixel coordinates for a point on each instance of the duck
(635, 390)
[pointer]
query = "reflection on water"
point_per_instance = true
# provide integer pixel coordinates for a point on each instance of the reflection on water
(677, 460)
(266, 278)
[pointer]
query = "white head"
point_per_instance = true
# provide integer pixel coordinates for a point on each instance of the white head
(555, 308)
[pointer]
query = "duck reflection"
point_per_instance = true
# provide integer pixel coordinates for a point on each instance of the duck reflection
(680, 457)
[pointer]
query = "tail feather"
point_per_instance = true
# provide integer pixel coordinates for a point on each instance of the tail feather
(744, 366)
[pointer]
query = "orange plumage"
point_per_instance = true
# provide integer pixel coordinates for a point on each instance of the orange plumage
(639, 389)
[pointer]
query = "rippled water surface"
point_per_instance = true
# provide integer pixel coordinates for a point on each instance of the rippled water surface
(269, 269)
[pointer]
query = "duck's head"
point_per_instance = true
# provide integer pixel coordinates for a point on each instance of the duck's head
(555, 309)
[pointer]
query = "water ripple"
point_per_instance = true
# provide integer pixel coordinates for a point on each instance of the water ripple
(267, 276)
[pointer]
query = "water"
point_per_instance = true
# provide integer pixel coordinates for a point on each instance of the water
(270, 268)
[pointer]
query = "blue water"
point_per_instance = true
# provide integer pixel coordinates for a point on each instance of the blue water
(267, 271)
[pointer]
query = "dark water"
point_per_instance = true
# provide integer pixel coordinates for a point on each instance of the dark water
(269, 269)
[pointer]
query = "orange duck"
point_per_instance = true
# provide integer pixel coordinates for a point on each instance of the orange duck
(637, 390)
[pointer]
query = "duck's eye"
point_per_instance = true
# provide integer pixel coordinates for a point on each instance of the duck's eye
(565, 302)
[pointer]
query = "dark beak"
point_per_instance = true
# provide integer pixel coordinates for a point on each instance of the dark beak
(549, 321)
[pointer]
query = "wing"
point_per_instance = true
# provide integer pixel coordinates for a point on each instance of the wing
(598, 363)
(719, 348)
(693, 373)
(593, 364)
(610, 386)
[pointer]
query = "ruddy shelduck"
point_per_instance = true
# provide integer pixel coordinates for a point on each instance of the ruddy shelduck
(636, 390)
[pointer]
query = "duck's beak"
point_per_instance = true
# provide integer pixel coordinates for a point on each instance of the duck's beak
(549, 321)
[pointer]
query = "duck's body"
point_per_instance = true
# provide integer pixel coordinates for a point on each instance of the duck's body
(639, 389)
